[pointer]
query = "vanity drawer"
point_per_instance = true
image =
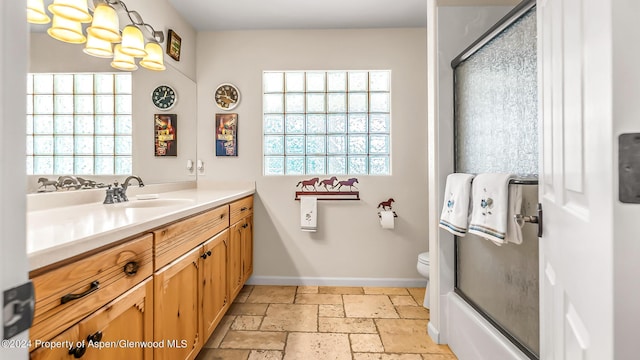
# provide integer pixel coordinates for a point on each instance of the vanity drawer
(239, 209)
(71, 292)
(177, 239)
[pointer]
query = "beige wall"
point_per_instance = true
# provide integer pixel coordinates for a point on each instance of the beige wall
(350, 246)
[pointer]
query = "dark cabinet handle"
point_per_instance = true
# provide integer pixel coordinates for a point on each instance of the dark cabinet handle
(221, 216)
(245, 226)
(78, 351)
(244, 209)
(131, 268)
(95, 285)
(204, 256)
(95, 337)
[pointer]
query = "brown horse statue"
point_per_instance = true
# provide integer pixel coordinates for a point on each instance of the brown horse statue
(348, 183)
(386, 205)
(328, 183)
(308, 183)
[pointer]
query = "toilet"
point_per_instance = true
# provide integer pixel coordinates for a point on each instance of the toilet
(423, 269)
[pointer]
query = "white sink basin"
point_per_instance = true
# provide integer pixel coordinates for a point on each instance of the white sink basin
(156, 203)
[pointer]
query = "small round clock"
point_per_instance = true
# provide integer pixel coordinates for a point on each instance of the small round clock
(164, 97)
(227, 96)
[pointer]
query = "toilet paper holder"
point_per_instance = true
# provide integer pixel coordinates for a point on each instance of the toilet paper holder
(386, 205)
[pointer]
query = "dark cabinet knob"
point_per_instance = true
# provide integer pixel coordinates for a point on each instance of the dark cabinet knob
(78, 351)
(204, 256)
(209, 252)
(95, 337)
(131, 268)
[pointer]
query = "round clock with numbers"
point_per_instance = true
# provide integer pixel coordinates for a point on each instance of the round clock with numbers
(164, 97)
(227, 96)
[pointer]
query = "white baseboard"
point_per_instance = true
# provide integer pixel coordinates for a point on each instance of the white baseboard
(335, 281)
(433, 333)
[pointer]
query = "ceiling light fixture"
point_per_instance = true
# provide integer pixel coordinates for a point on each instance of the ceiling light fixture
(36, 13)
(68, 16)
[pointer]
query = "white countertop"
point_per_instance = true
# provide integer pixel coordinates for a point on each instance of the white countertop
(62, 232)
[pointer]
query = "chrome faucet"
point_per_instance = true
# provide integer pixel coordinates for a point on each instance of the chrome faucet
(125, 185)
(119, 192)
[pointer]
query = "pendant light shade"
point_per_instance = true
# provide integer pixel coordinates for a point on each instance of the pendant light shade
(133, 41)
(98, 47)
(105, 25)
(35, 12)
(154, 59)
(122, 61)
(66, 30)
(71, 9)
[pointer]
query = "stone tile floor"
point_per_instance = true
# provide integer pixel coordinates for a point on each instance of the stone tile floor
(325, 323)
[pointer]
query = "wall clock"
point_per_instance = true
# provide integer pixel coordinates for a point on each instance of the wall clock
(164, 97)
(227, 96)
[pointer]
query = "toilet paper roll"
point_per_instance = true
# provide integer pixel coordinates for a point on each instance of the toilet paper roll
(387, 220)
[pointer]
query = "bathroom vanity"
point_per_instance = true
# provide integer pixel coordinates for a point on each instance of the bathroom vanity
(147, 282)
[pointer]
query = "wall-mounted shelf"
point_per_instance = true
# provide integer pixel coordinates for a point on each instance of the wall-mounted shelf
(330, 195)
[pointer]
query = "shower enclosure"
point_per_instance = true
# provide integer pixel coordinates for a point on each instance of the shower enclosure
(496, 131)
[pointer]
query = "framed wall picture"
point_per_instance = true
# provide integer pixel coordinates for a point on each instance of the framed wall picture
(166, 134)
(226, 134)
(174, 43)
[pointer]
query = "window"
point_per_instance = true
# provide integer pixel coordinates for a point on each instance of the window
(79, 124)
(327, 122)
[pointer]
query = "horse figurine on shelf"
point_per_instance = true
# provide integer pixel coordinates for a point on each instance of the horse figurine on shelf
(328, 183)
(44, 182)
(348, 183)
(308, 183)
(386, 204)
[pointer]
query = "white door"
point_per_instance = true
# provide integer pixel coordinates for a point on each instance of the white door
(576, 182)
(13, 67)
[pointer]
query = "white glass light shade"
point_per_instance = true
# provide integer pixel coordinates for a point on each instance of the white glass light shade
(66, 30)
(154, 59)
(35, 12)
(105, 25)
(98, 47)
(133, 41)
(122, 61)
(71, 9)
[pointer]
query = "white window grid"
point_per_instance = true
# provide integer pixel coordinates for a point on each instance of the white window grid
(327, 122)
(79, 123)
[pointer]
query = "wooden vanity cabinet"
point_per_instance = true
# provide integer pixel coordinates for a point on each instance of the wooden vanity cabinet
(176, 307)
(67, 294)
(114, 331)
(191, 292)
(240, 244)
(214, 292)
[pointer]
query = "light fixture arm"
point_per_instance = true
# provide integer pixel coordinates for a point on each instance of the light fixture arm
(136, 19)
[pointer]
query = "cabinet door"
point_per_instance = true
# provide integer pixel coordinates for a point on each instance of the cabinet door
(235, 259)
(247, 248)
(70, 341)
(214, 292)
(118, 330)
(176, 321)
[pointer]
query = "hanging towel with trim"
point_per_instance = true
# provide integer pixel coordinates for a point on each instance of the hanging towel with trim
(489, 206)
(455, 210)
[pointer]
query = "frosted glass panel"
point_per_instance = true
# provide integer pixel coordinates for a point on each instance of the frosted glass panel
(496, 131)
(496, 107)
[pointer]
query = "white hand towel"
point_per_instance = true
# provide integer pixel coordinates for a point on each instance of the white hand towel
(455, 210)
(308, 213)
(514, 231)
(489, 206)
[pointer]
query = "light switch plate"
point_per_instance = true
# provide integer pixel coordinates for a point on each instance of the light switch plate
(629, 168)
(18, 307)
